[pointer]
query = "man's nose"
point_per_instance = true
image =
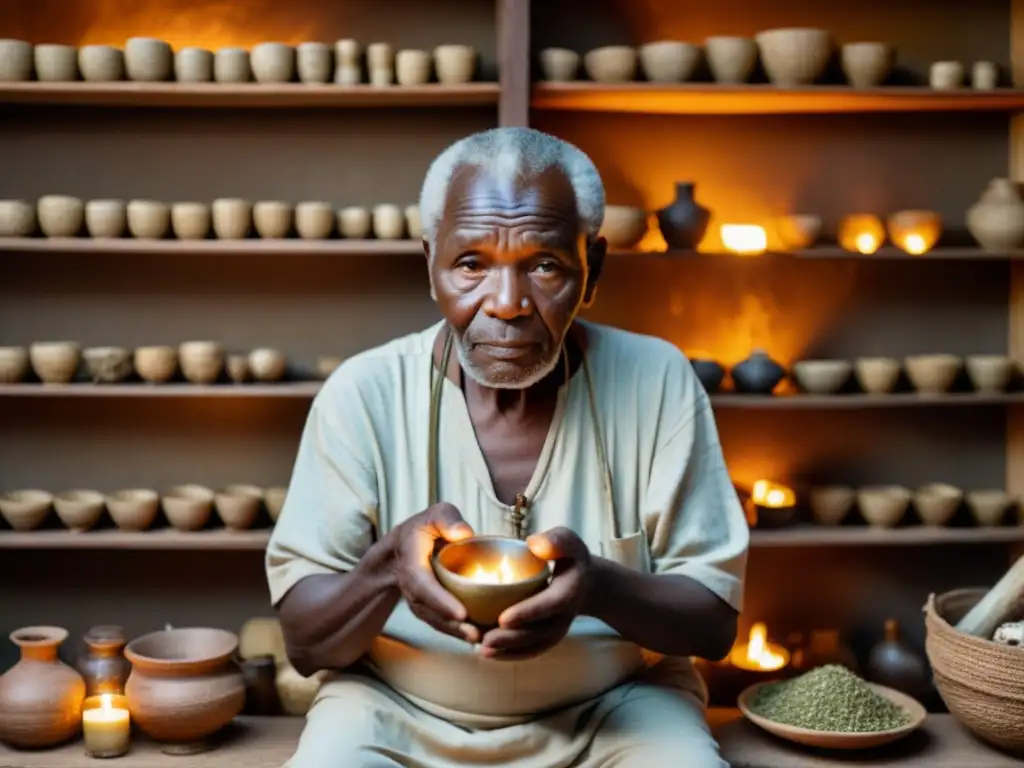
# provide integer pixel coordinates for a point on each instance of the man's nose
(508, 297)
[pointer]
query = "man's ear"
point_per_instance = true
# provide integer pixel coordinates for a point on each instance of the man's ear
(430, 274)
(596, 252)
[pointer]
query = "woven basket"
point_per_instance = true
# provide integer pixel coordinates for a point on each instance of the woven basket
(981, 682)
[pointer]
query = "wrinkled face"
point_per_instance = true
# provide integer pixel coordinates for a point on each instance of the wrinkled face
(511, 271)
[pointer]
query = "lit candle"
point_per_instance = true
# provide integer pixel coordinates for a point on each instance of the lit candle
(504, 573)
(916, 232)
(759, 655)
(861, 233)
(768, 494)
(106, 725)
(744, 239)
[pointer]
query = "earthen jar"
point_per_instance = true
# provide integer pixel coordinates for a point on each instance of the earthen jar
(103, 666)
(184, 685)
(56, 63)
(106, 218)
(17, 218)
(313, 62)
(996, 221)
(15, 60)
(559, 65)
(148, 59)
(193, 65)
(101, 63)
(314, 220)
(40, 696)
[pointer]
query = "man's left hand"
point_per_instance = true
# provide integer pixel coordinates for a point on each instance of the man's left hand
(536, 624)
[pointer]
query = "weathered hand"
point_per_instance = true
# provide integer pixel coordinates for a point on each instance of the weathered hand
(413, 547)
(536, 624)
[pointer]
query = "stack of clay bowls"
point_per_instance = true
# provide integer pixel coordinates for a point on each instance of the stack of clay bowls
(929, 375)
(150, 60)
(61, 216)
(887, 506)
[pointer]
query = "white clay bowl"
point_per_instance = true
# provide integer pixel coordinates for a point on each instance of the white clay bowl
(883, 506)
(25, 510)
(822, 377)
(13, 364)
(795, 55)
(79, 510)
(932, 374)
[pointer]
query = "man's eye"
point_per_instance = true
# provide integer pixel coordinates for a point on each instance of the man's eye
(547, 267)
(469, 264)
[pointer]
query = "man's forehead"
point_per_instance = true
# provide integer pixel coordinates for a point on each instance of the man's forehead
(474, 188)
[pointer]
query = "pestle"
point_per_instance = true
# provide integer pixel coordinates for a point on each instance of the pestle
(997, 606)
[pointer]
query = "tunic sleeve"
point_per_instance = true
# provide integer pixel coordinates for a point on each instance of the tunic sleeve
(330, 512)
(694, 519)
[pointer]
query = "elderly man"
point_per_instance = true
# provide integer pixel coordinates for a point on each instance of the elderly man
(597, 444)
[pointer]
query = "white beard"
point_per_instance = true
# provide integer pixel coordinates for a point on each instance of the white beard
(530, 377)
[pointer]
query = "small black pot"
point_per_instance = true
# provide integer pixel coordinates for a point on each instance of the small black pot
(710, 374)
(758, 374)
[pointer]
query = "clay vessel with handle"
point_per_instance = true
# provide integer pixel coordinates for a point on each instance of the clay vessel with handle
(40, 696)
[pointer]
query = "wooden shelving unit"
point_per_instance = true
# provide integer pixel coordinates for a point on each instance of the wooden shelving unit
(835, 253)
(170, 247)
(714, 99)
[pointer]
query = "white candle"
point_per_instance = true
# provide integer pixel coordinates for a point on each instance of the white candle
(106, 727)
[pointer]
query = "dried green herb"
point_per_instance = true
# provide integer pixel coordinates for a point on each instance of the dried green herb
(829, 698)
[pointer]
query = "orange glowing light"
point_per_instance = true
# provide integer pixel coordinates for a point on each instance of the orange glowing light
(861, 233)
(768, 494)
(866, 242)
(758, 654)
(744, 239)
(503, 574)
(915, 231)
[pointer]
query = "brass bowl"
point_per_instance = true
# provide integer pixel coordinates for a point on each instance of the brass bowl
(485, 601)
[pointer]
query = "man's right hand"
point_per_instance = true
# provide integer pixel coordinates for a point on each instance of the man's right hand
(412, 546)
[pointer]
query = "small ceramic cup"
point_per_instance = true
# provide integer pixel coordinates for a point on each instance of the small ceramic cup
(148, 219)
(60, 215)
(201, 361)
(156, 364)
(348, 68)
(313, 62)
(106, 218)
(412, 67)
(232, 65)
(388, 222)
(866, 65)
(314, 220)
(355, 222)
(454, 64)
(17, 218)
(559, 65)
(730, 59)
(413, 222)
(380, 60)
(148, 60)
(272, 219)
(232, 218)
(946, 75)
(193, 65)
(15, 61)
(56, 63)
(190, 221)
(101, 63)
(984, 75)
(273, 63)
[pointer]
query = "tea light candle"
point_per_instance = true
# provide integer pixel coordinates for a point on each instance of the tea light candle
(106, 725)
(744, 239)
(861, 233)
(915, 231)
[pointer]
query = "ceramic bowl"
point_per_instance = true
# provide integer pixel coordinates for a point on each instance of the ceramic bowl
(355, 222)
(795, 55)
(101, 63)
(25, 510)
(883, 506)
(669, 61)
(454, 64)
(413, 67)
(799, 231)
(15, 60)
(272, 219)
(232, 65)
(232, 218)
(388, 222)
(238, 505)
(106, 218)
(274, 497)
(187, 507)
(13, 364)
(313, 62)
(866, 65)
(190, 221)
(413, 222)
(314, 220)
(17, 218)
(559, 65)
(273, 63)
(108, 365)
(830, 504)
(201, 361)
(79, 510)
(936, 503)
(238, 368)
(327, 364)
(55, 362)
(946, 75)
(133, 509)
(914, 231)
(611, 64)
(730, 59)
(147, 59)
(822, 377)
(60, 215)
(877, 375)
(988, 506)
(989, 373)
(148, 219)
(56, 63)
(485, 600)
(624, 226)
(193, 65)
(932, 374)
(267, 364)
(156, 364)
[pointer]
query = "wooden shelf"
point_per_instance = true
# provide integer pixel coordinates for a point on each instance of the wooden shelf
(841, 402)
(834, 253)
(220, 539)
(247, 247)
(131, 94)
(865, 536)
(714, 99)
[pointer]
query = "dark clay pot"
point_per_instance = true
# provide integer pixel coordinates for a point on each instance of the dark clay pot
(894, 664)
(104, 667)
(710, 374)
(684, 222)
(758, 374)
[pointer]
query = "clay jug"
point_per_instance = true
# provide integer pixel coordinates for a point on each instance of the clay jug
(996, 221)
(40, 696)
(684, 222)
(894, 664)
(758, 374)
(104, 666)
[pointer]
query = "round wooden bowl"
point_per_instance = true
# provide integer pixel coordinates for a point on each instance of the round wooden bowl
(837, 739)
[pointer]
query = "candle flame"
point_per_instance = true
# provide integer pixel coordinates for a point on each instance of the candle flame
(769, 494)
(758, 654)
(503, 574)
(915, 244)
(744, 239)
(107, 702)
(866, 242)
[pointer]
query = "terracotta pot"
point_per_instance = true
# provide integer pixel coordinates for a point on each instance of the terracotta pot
(996, 221)
(184, 686)
(758, 374)
(103, 666)
(40, 696)
(684, 222)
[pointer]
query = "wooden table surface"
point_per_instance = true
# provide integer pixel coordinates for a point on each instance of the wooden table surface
(268, 742)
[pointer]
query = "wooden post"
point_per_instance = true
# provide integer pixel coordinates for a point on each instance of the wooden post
(514, 62)
(1015, 413)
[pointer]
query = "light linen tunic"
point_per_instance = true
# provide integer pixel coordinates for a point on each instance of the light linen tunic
(425, 698)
